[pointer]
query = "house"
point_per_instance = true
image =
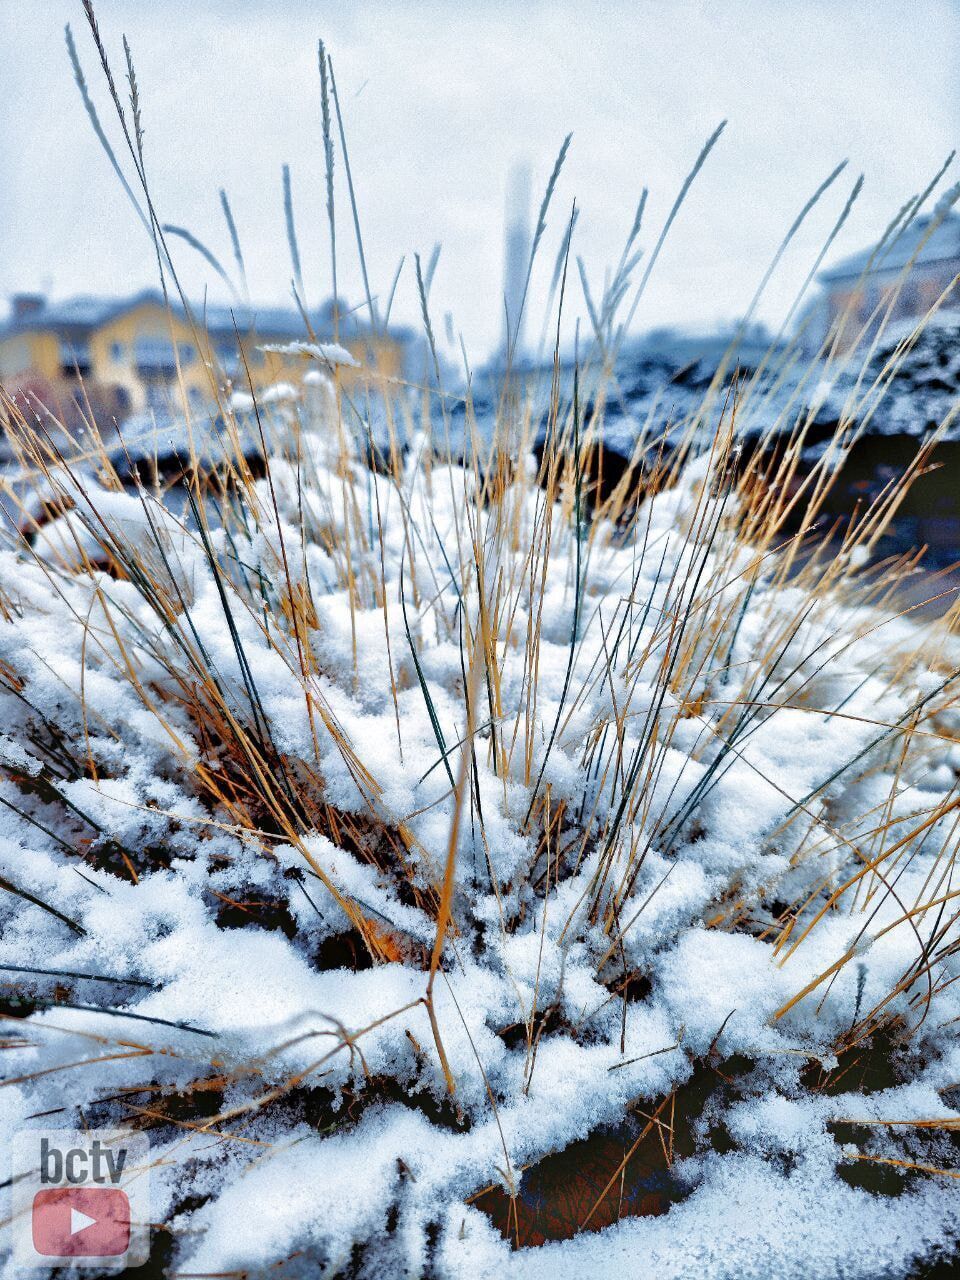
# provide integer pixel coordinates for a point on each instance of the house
(921, 263)
(141, 353)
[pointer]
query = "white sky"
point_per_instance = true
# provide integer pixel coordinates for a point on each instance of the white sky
(439, 101)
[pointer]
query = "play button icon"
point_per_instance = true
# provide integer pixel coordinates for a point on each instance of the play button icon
(81, 1222)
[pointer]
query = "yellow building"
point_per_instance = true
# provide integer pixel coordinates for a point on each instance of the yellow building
(147, 355)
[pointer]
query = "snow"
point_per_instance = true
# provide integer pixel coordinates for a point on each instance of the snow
(331, 1129)
(329, 353)
(747, 1219)
(276, 393)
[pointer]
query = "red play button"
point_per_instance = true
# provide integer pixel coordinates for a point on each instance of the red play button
(81, 1222)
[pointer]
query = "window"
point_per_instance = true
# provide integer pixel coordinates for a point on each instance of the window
(74, 356)
(158, 353)
(910, 302)
(74, 351)
(228, 356)
(158, 398)
(153, 352)
(869, 297)
(117, 351)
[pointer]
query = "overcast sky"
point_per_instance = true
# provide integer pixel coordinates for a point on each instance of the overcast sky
(440, 101)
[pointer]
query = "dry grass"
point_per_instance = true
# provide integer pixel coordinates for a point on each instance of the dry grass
(757, 513)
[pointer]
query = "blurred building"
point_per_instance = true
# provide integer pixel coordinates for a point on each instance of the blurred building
(921, 263)
(516, 261)
(133, 354)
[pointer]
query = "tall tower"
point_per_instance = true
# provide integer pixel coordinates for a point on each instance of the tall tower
(516, 258)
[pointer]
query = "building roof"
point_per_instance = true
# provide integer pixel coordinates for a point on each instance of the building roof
(75, 318)
(942, 246)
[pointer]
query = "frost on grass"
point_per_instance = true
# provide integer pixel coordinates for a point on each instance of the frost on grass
(328, 353)
(431, 821)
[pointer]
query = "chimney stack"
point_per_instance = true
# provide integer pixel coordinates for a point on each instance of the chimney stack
(516, 257)
(27, 304)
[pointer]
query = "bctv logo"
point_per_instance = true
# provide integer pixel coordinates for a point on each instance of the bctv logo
(81, 1198)
(72, 1166)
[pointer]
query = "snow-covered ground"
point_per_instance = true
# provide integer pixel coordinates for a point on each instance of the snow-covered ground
(421, 836)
